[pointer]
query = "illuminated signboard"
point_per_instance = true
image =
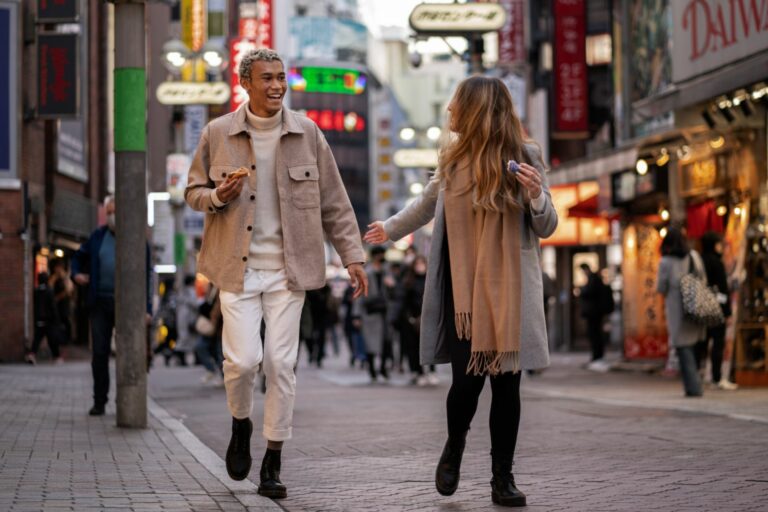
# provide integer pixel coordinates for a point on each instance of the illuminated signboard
(337, 120)
(330, 80)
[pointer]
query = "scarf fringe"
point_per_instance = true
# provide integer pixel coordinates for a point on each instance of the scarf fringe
(492, 362)
(463, 325)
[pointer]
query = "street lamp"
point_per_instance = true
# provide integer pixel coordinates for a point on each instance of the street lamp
(407, 134)
(433, 133)
(175, 55)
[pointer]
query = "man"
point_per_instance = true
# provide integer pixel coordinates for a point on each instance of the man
(263, 247)
(93, 265)
(596, 301)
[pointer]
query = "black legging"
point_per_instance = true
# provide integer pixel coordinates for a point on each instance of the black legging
(465, 389)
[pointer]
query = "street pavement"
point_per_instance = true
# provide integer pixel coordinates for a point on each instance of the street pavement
(588, 442)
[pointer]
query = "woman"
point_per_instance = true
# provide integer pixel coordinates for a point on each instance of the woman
(712, 254)
(483, 309)
(676, 261)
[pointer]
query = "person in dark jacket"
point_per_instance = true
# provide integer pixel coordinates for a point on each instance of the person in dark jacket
(47, 324)
(592, 310)
(712, 254)
(93, 265)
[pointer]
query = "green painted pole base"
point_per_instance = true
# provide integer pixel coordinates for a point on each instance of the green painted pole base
(130, 109)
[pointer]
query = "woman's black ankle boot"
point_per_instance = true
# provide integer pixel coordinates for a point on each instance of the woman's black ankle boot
(503, 489)
(447, 474)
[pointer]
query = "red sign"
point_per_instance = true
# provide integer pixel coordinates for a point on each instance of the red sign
(571, 104)
(57, 66)
(249, 28)
(512, 34)
(237, 50)
(264, 35)
(337, 120)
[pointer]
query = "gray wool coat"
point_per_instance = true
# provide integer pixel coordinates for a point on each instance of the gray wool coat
(534, 347)
(682, 332)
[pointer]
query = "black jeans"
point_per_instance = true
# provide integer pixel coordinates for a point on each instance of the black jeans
(596, 336)
(465, 391)
(102, 325)
(717, 335)
(50, 332)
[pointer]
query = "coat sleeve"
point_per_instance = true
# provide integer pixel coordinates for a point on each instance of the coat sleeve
(338, 217)
(200, 189)
(662, 277)
(543, 222)
(420, 211)
(81, 260)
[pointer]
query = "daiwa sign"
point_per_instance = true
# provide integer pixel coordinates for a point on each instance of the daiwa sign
(708, 34)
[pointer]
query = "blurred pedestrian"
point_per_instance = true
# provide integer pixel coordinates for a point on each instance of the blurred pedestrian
(482, 308)
(353, 328)
(267, 181)
(595, 299)
(47, 324)
(186, 313)
(712, 254)
(208, 325)
(93, 265)
(318, 306)
(676, 261)
(168, 318)
(63, 290)
(414, 282)
(372, 312)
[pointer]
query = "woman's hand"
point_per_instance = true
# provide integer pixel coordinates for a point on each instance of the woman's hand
(529, 177)
(376, 234)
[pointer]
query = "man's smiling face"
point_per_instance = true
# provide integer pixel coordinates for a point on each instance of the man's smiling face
(266, 87)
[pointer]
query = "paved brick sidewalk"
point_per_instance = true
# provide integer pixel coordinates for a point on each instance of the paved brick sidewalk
(359, 447)
(53, 456)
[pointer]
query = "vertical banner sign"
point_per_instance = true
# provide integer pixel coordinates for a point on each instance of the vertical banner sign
(9, 89)
(193, 23)
(195, 119)
(57, 66)
(265, 37)
(512, 34)
(645, 332)
(571, 107)
(237, 49)
(248, 26)
(56, 11)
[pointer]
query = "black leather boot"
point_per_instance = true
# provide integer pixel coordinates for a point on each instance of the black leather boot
(270, 485)
(447, 474)
(503, 489)
(239, 450)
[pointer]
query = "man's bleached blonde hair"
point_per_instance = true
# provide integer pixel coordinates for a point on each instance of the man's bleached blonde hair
(263, 54)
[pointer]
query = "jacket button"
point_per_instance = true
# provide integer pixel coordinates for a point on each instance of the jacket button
(245, 258)
(253, 167)
(250, 228)
(253, 198)
(223, 175)
(306, 174)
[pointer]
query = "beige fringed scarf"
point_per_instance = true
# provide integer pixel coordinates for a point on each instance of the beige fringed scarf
(485, 256)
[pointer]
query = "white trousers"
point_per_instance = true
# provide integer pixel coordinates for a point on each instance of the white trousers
(265, 295)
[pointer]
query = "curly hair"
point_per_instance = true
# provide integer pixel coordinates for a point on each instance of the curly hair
(263, 54)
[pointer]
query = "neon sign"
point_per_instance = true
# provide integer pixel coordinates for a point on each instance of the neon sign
(329, 80)
(337, 120)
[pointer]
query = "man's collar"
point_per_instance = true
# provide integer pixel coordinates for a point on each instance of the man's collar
(239, 123)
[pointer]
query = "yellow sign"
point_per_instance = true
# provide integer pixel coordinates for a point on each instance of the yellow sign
(385, 195)
(193, 23)
(385, 177)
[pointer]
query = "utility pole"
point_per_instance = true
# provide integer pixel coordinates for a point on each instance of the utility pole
(131, 212)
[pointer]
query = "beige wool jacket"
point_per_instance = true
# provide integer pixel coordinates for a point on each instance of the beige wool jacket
(313, 202)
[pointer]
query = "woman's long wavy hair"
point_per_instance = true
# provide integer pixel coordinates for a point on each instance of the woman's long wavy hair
(484, 134)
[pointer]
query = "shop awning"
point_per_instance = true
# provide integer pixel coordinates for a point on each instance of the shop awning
(585, 209)
(592, 167)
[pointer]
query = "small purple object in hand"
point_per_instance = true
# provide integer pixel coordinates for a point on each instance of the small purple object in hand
(513, 167)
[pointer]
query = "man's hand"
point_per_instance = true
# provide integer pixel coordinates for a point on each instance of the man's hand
(376, 234)
(82, 279)
(359, 279)
(230, 189)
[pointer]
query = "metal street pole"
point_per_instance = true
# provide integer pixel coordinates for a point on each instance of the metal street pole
(131, 213)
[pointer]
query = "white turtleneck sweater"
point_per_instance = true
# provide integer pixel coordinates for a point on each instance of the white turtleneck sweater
(266, 250)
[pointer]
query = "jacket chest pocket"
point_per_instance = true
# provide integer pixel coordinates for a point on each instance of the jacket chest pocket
(305, 189)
